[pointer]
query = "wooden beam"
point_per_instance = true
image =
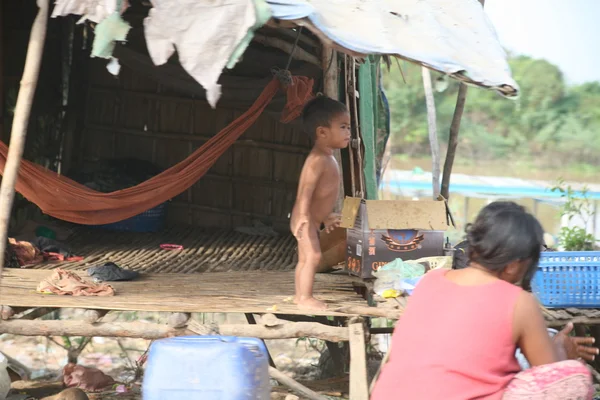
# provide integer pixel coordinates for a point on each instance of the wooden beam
(295, 386)
(379, 312)
(296, 52)
(227, 211)
(157, 331)
(432, 127)
(359, 385)
(20, 121)
(285, 148)
(453, 139)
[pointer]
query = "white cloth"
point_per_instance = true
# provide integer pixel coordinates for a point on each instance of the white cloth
(205, 34)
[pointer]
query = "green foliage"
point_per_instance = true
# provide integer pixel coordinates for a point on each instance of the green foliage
(577, 204)
(550, 121)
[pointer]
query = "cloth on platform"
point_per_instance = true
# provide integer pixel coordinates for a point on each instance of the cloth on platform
(67, 283)
(86, 378)
(206, 35)
(566, 380)
(47, 245)
(111, 272)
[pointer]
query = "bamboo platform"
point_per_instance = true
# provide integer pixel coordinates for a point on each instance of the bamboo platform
(203, 251)
(231, 292)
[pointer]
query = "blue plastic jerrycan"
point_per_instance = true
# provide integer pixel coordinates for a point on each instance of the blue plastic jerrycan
(207, 368)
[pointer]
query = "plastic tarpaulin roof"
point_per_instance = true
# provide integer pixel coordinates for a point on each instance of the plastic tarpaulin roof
(453, 37)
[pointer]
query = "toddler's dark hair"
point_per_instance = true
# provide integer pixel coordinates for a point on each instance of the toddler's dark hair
(502, 233)
(319, 112)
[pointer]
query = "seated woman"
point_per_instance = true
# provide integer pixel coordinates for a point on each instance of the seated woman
(458, 335)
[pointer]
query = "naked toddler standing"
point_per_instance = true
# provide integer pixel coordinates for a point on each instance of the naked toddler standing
(328, 121)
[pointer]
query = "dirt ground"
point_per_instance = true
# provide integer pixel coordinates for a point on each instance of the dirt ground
(45, 357)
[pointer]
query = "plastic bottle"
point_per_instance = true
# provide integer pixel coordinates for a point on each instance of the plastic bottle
(4, 378)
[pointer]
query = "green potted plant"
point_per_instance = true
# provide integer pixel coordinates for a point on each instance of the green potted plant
(576, 204)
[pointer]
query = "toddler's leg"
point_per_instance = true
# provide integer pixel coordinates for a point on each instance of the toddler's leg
(565, 380)
(309, 256)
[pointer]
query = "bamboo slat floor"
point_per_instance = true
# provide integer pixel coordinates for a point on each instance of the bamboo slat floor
(233, 292)
(203, 251)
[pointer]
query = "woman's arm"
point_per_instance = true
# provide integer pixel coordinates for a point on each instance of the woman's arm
(531, 334)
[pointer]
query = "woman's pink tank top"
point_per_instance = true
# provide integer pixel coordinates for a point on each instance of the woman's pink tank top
(453, 343)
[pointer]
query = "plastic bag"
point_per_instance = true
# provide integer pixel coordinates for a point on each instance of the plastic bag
(393, 275)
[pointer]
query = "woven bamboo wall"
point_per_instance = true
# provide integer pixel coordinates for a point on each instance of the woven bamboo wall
(132, 116)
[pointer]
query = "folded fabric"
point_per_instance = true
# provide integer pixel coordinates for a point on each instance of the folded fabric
(111, 272)
(67, 283)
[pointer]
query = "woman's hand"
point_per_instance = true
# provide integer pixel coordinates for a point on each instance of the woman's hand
(575, 347)
(333, 221)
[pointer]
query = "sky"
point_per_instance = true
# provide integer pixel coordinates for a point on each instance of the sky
(565, 32)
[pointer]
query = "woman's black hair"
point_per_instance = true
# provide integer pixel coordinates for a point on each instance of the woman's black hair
(505, 232)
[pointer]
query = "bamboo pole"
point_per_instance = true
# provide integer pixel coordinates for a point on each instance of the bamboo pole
(331, 89)
(432, 126)
(21, 118)
(295, 52)
(157, 331)
(453, 139)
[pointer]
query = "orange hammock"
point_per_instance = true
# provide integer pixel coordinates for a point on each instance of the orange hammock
(68, 200)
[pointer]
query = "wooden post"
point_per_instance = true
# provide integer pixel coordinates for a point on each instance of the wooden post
(453, 139)
(331, 89)
(359, 385)
(432, 125)
(252, 321)
(21, 118)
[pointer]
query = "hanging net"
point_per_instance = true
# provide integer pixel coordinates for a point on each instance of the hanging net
(68, 200)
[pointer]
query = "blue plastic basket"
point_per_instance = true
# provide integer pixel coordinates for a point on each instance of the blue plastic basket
(568, 279)
(152, 220)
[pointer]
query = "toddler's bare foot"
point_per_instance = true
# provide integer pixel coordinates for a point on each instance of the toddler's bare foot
(310, 303)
